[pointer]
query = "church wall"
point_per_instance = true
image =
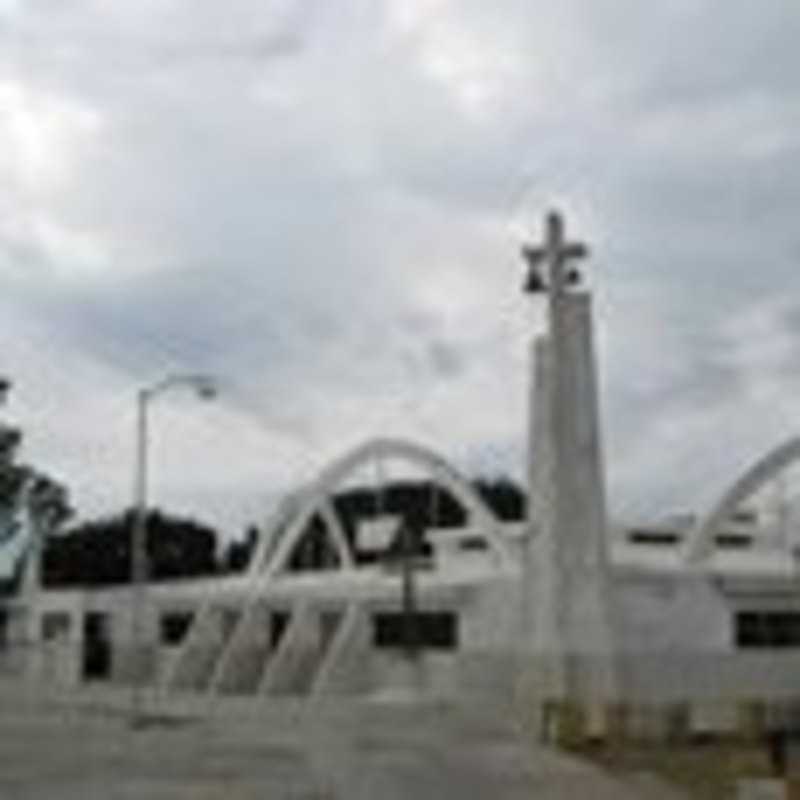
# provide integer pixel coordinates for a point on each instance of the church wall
(54, 639)
(54, 647)
(490, 616)
(669, 611)
(673, 636)
(676, 643)
(496, 642)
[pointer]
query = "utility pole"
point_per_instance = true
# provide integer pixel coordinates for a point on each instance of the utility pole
(410, 619)
(139, 561)
(205, 388)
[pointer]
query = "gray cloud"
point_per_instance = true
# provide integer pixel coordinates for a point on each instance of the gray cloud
(319, 206)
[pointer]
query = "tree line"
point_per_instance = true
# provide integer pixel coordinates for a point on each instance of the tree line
(98, 552)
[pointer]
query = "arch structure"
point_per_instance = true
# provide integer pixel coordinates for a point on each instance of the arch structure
(700, 544)
(283, 534)
(225, 649)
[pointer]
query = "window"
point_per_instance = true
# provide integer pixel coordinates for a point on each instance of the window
(175, 626)
(473, 544)
(763, 629)
(734, 541)
(746, 516)
(55, 625)
(657, 538)
(436, 630)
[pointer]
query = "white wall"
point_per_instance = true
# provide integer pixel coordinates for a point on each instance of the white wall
(669, 611)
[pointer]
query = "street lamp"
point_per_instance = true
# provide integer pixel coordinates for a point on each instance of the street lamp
(205, 388)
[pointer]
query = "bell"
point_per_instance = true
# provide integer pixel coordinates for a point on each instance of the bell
(535, 284)
(573, 277)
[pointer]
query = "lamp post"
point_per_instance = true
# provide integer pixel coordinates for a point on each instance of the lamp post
(206, 389)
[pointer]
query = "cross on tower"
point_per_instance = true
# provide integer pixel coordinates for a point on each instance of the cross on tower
(555, 254)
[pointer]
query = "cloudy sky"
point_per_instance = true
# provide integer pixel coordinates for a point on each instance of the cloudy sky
(322, 203)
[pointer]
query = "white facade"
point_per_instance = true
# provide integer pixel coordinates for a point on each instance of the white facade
(564, 605)
(675, 627)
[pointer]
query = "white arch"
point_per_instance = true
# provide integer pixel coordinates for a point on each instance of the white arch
(701, 541)
(287, 511)
(318, 495)
(271, 530)
(291, 518)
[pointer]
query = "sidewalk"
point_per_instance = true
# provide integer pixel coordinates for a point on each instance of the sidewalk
(51, 749)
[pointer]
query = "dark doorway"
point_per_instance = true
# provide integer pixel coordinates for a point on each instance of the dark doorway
(280, 621)
(96, 647)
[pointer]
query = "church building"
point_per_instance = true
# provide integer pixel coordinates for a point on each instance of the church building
(567, 604)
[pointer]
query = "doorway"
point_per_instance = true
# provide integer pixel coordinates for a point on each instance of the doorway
(96, 647)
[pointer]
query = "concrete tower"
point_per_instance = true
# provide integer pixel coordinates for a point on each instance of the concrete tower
(569, 583)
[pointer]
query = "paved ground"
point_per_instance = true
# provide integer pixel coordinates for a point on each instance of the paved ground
(369, 751)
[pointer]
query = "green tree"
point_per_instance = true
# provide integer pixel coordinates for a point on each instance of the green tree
(46, 499)
(237, 553)
(98, 552)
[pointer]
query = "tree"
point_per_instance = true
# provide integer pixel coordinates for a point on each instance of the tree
(98, 552)
(421, 504)
(237, 553)
(12, 475)
(20, 484)
(504, 496)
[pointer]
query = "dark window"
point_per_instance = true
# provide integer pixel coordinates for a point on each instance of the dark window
(776, 629)
(659, 538)
(437, 630)
(55, 625)
(734, 541)
(175, 626)
(474, 543)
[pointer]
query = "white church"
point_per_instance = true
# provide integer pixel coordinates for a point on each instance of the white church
(699, 610)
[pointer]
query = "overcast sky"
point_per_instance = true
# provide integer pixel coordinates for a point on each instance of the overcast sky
(323, 204)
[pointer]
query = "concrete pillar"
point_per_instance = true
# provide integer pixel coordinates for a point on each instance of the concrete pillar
(573, 619)
(540, 590)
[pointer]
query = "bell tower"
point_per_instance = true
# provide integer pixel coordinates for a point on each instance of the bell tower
(572, 630)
